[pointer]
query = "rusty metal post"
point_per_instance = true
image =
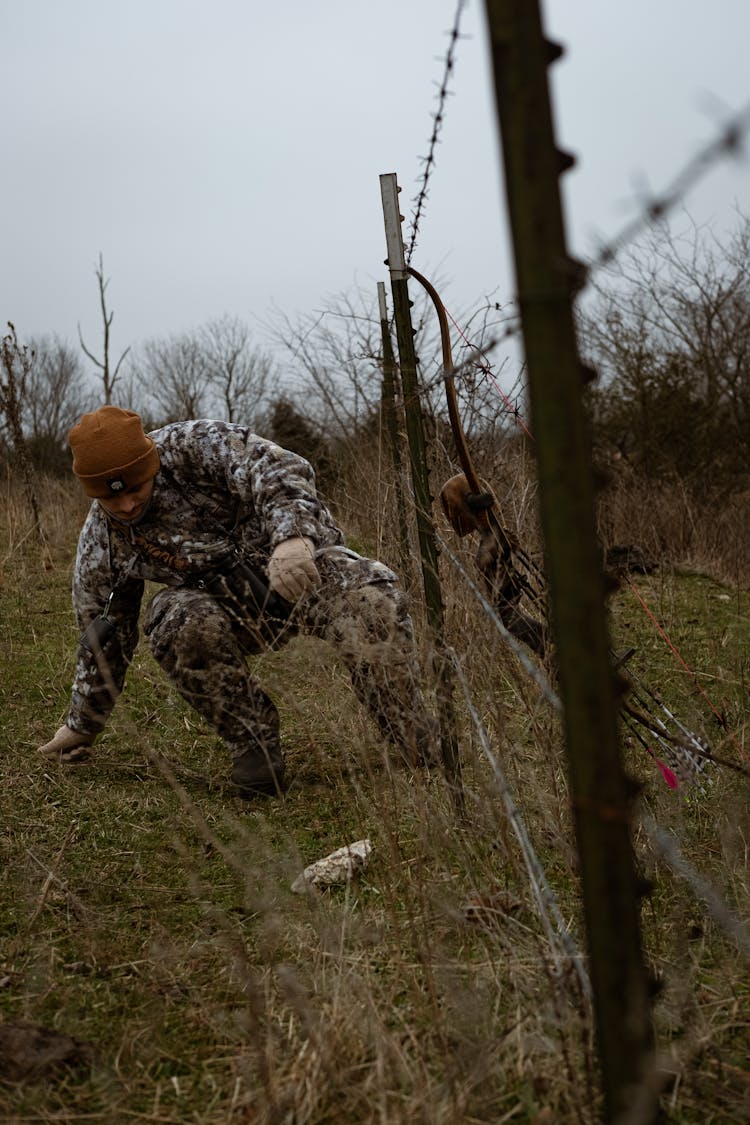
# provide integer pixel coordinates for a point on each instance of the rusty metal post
(390, 416)
(601, 793)
(420, 479)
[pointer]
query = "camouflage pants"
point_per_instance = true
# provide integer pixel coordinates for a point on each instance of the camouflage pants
(201, 642)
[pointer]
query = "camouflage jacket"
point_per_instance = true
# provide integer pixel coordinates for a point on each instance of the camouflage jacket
(220, 488)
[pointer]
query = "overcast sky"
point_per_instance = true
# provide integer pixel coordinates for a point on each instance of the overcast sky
(224, 155)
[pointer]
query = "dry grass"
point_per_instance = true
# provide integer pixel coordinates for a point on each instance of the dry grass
(712, 537)
(147, 912)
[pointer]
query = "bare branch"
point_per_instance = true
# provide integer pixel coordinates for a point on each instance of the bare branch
(109, 377)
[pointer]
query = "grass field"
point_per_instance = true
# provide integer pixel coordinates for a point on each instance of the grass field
(147, 913)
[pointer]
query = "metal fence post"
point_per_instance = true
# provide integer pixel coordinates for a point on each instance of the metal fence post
(420, 479)
(390, 417)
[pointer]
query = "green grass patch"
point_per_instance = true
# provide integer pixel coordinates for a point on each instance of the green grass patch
(147, 912)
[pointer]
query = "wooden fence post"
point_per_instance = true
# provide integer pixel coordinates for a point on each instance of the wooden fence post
(601, 793)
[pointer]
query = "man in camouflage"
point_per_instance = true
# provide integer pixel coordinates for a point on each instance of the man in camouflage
(203, 508)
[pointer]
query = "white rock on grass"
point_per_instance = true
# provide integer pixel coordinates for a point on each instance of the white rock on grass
(338, 867)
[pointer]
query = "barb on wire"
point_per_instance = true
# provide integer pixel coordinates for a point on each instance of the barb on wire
(437, 124)
(727, 143)
(476, 359)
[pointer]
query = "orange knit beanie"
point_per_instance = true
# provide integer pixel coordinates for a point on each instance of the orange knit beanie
(111, 452)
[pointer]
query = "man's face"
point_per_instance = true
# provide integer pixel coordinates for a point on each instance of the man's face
(129, 505)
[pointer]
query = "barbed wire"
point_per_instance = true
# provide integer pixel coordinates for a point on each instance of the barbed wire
(561, 943)
(727, 143)
(532, 670)
(437, 124)
(666, 845)
(474, 361)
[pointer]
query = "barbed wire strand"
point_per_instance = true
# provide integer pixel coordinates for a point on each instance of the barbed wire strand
(437, 124)
(558, 935)
(667, 846)
(515, 646)
(693, 675)
(727, 143)
(481, 362)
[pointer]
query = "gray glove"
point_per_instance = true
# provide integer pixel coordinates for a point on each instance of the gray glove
(67, 746)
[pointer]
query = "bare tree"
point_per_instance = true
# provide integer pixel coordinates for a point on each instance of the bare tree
(172, 375)
(17, 361)
(109, 375)
(670, 336)
(212, 369)
(337, 351)
(54, 397)
(239, 374)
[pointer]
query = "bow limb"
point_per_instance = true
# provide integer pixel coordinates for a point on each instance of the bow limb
(486, 517)
(459, 436)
